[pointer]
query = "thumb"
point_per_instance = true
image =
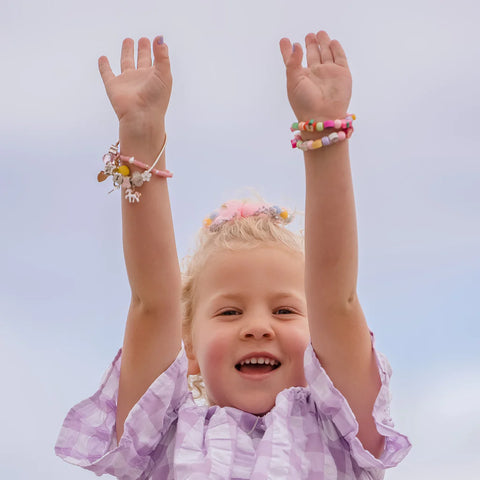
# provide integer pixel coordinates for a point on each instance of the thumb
(292, 55)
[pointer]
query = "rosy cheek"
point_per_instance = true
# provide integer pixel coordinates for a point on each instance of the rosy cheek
(215, 348)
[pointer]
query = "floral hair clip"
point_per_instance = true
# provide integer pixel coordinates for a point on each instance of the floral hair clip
(240, 209)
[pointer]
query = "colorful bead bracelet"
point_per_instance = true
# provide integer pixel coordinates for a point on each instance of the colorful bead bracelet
(121, 173)
(334, 137)
(344, 127)
(313, 126)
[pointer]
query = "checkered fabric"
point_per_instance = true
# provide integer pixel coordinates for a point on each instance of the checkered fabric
(309, 434)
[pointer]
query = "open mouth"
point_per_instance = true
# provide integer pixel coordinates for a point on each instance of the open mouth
(257, 365)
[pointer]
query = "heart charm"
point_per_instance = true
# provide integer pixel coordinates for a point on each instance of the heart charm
(102, 176)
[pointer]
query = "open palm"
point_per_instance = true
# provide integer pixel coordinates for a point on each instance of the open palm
(322, 90)
(145, 89)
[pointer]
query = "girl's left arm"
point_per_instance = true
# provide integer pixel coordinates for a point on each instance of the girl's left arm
(339, 332)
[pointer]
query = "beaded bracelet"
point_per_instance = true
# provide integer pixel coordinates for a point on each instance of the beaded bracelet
(313, 126)
(121, 173)
(334, 137)
(344, 127)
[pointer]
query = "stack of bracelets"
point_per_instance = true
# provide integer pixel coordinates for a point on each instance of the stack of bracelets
(344, 130)
(115, 163)
(115, 167)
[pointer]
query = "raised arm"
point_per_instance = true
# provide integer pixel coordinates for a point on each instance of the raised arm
(140, 97)
(339, 332)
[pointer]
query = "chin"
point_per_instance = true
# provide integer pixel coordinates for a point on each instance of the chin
(256, 407)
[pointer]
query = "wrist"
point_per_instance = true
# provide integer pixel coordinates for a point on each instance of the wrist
(141, 136)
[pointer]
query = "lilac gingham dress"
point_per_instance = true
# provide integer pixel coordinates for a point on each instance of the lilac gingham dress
(309, 434)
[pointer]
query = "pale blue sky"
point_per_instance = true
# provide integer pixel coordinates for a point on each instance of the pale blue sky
(64, 292)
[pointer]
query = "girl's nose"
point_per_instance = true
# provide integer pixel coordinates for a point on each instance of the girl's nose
(257, 329)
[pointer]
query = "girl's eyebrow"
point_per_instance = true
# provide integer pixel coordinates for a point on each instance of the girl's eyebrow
(285, 296)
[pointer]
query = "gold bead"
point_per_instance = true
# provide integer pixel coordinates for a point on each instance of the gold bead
(284, 214)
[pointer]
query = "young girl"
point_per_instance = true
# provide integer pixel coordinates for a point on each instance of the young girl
(293, 386)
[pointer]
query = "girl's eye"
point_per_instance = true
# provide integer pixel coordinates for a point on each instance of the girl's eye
(229, 312)
(284, 311)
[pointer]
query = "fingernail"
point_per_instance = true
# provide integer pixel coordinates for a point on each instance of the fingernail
(160, 40)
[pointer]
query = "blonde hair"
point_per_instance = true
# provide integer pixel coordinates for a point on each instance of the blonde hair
(238, 233)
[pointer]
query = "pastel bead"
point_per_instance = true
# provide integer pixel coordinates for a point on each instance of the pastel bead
(342, 136)
(337, 124)
(325, 141)
(294, 126)
(319, 127)
(301, 125)
(317, 144)
(333, 137)
(309, 127)
(344, 124)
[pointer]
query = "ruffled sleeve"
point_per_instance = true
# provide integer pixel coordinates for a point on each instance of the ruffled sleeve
(88, 436)
(331, 403)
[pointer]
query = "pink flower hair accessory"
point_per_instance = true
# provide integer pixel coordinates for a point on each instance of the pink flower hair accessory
(242, 209)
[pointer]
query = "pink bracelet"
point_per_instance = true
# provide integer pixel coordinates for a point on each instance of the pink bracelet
(158, 173)
(121, 173)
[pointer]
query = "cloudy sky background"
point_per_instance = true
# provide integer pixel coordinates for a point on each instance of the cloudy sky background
(64, 291)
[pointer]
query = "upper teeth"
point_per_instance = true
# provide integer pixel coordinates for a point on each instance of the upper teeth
(260, 360)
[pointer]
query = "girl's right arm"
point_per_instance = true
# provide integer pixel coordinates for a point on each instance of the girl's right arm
(152, 340)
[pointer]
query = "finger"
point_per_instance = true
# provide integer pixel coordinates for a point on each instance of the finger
(292, 55)
(160, 53)
(105, 70)
(313, 51)
(144, 57)
(127, 61)
(339, 56)
(324, 41)
(285, 49)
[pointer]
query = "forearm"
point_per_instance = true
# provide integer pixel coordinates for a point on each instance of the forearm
(148, 237)
(330, 226)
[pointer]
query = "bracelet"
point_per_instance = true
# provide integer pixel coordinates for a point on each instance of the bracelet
(313, 126)
(121, 173)
(344, 127)
(334, 137)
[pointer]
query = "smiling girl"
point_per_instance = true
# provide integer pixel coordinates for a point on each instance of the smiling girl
(267, 322)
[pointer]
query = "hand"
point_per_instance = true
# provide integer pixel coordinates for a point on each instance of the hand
(321, 91)
(139, 95)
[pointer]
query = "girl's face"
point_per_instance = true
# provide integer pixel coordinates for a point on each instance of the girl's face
(250, 328)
